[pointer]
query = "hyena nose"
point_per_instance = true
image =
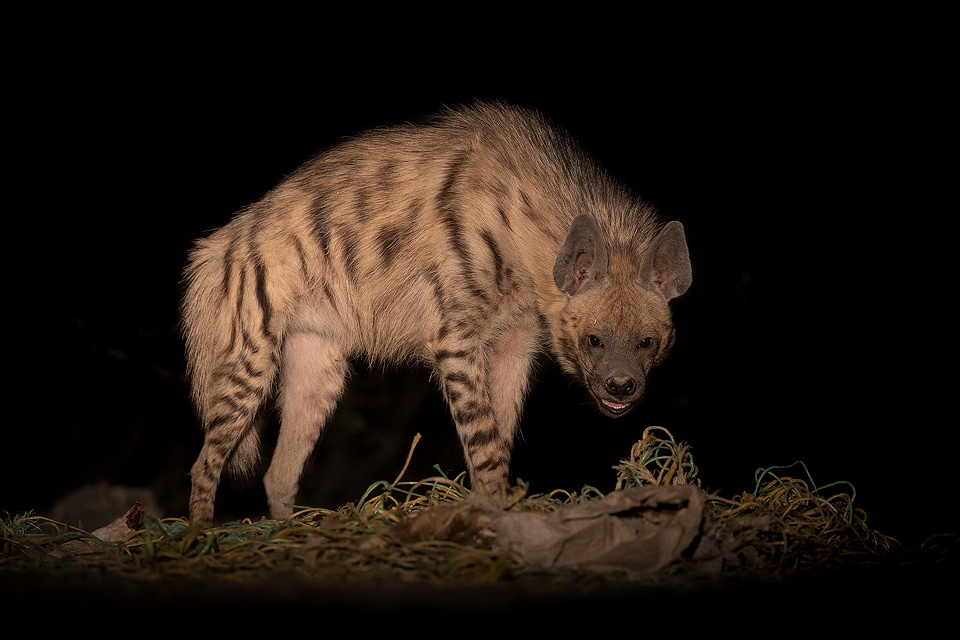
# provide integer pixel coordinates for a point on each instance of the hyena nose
(620, 386)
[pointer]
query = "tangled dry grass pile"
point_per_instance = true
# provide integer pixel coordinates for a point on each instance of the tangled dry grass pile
(658, 524)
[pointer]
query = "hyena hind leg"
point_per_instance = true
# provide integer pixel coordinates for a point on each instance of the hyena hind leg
(232, 432)
(314, 371)
(204, 479)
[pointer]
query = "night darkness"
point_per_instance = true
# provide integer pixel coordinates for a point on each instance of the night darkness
(814, 330)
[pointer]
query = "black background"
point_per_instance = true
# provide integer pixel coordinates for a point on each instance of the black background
(807, 165)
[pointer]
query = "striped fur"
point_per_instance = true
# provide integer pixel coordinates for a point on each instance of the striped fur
(470, 243)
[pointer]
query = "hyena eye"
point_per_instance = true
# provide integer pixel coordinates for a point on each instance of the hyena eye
(594, 341)
(646, 343)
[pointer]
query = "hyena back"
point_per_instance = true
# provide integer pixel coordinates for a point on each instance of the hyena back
(470, 244)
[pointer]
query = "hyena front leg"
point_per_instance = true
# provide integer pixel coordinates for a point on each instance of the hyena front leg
(465, 386)
(484, 386)
(509, 363)
(314, 371)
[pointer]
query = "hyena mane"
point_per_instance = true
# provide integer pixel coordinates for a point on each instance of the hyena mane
(469, 243)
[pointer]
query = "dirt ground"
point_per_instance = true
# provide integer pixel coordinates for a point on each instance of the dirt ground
(657, 555)
(871, 602)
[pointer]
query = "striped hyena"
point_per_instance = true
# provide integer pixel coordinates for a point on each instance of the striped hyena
(469, 243)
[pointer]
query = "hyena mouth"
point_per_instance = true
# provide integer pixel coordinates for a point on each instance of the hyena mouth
(615, 409)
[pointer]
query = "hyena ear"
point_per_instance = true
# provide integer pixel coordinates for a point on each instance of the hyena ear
(582, 260)
(666, 264)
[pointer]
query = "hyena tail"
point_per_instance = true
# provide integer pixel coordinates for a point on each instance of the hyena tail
(232, 358)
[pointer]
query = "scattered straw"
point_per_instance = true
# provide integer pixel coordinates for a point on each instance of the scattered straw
(814, 527)
(811, 527)
(657, 461)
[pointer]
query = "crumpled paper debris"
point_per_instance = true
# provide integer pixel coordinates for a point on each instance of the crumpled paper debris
(121, 528)
(640, 529)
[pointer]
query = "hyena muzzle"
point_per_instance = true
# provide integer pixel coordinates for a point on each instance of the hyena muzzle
(469, 243)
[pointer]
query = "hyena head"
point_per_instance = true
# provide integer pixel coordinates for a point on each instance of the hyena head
(616, 324)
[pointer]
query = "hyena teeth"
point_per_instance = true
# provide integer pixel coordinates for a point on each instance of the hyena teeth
(470, 244)
(615, 406)
(616, 409)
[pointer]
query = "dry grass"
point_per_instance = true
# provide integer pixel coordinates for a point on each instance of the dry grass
(805, 528)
